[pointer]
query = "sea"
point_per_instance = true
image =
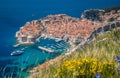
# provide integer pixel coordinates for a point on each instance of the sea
(15, 13)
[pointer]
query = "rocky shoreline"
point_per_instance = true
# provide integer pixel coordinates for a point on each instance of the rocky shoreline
(70, 29)
(50, 62)
(63, 27)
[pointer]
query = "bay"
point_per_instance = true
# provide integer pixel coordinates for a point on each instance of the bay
(15, 13)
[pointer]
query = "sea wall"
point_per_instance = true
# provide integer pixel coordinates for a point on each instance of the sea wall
(103, 29)
(93, 34)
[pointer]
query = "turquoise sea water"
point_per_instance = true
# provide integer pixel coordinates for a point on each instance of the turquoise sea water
(15, 13)
(32, 56)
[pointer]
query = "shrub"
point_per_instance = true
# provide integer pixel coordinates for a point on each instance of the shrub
(85, 67)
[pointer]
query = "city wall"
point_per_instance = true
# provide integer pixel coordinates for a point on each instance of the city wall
(103, 29)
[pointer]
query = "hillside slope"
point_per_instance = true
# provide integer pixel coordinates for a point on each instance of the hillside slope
(95, 58)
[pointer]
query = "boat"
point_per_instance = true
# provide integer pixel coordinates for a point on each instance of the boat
(22, 49)
(52, 47)
(16, 45)
(17, 52)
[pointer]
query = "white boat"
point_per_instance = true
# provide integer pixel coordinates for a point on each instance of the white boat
(16, 45)
(23, 49)
(59, 45)
(51, 46)
(17, 52)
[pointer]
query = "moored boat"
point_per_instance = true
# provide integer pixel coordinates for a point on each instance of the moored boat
(18, 52)
(16, 45)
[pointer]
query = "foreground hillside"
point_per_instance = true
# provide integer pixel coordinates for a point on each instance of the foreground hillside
(95, 58)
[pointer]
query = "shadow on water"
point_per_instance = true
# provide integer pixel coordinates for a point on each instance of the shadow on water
(7, 67)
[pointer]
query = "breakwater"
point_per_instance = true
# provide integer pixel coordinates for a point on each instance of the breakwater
(46, 49)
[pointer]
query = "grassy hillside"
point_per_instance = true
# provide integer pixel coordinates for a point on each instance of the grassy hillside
(95, 58)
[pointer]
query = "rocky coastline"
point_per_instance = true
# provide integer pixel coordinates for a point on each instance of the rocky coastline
(70, 29)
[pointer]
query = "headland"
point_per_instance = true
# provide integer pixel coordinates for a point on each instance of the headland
(75, 31)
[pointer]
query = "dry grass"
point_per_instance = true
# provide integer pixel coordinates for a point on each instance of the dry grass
(104, 48)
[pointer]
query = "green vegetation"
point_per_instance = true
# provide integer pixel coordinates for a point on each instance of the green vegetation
(112, 8)
(111, 20)
(93, 58)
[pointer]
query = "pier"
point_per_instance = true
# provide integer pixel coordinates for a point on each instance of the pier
(57, 39)
(45, 49)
